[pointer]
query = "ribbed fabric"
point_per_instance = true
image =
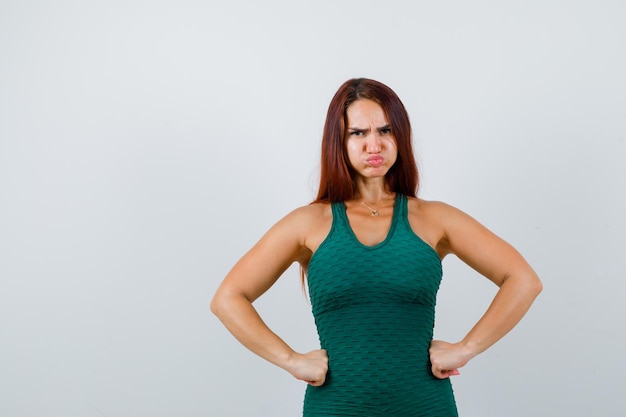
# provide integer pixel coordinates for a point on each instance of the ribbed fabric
(374, 308)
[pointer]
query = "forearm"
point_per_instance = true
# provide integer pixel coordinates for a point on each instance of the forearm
(242, 320)
(510, 304)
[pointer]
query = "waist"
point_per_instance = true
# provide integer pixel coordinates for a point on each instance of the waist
(371, 319)
(377, 334)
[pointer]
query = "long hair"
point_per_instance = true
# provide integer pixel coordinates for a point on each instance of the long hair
(336, 175)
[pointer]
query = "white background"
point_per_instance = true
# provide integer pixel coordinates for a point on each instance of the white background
(146, 145)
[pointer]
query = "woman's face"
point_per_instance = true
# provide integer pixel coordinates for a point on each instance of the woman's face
(370, 143)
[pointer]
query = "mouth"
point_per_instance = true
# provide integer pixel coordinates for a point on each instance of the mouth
(375, 160)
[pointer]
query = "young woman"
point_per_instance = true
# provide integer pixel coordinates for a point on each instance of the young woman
(372, 252)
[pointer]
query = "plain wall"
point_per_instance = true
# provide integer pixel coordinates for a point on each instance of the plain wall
(146, 145)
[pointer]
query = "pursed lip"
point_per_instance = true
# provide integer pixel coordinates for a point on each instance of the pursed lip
(375, 160)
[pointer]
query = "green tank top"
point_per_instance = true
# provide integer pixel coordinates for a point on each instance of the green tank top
(374, 308)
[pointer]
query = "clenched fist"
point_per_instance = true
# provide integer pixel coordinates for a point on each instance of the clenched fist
(310, 367)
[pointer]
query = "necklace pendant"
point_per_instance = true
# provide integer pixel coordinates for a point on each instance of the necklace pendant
(374, 212)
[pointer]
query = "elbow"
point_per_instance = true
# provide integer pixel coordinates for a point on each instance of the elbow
(538, 286)
(213, 306)
(217, 304)
(527, 285)
(533, 286)
(225, 303)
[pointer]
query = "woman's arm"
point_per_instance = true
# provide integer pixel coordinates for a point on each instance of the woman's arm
(501, 263)
(254, 274)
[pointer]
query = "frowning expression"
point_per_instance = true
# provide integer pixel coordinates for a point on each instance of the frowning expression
(370, 143)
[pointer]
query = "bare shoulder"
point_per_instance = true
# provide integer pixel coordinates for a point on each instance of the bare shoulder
(318, 218)
(308, 217)
(433, 221)
(312, 210)
(432, 207)
(458, 233)
(308, 221)
(293, 230)
(443, 214)
(311, 224)
(286, 242)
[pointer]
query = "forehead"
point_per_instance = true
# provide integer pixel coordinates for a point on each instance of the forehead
(363, 112)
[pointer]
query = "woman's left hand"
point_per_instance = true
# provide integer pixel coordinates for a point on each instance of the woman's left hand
(446, 358)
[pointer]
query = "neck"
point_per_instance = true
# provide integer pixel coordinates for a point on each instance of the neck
(372, 190)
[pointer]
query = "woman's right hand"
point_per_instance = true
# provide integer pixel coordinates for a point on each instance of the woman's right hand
(310, 367)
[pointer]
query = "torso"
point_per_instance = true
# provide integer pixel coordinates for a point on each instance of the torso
(372, 288)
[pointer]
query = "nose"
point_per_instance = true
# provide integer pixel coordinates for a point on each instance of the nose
(373, 144)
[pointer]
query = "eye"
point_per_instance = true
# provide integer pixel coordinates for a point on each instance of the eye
(385, 131)
(356, 133)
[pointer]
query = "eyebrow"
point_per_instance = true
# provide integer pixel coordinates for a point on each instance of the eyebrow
(356, 129)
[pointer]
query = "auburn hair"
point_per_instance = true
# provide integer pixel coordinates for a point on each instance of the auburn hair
(336, 175)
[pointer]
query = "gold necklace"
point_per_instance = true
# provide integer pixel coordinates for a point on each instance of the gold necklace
(374, 212)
